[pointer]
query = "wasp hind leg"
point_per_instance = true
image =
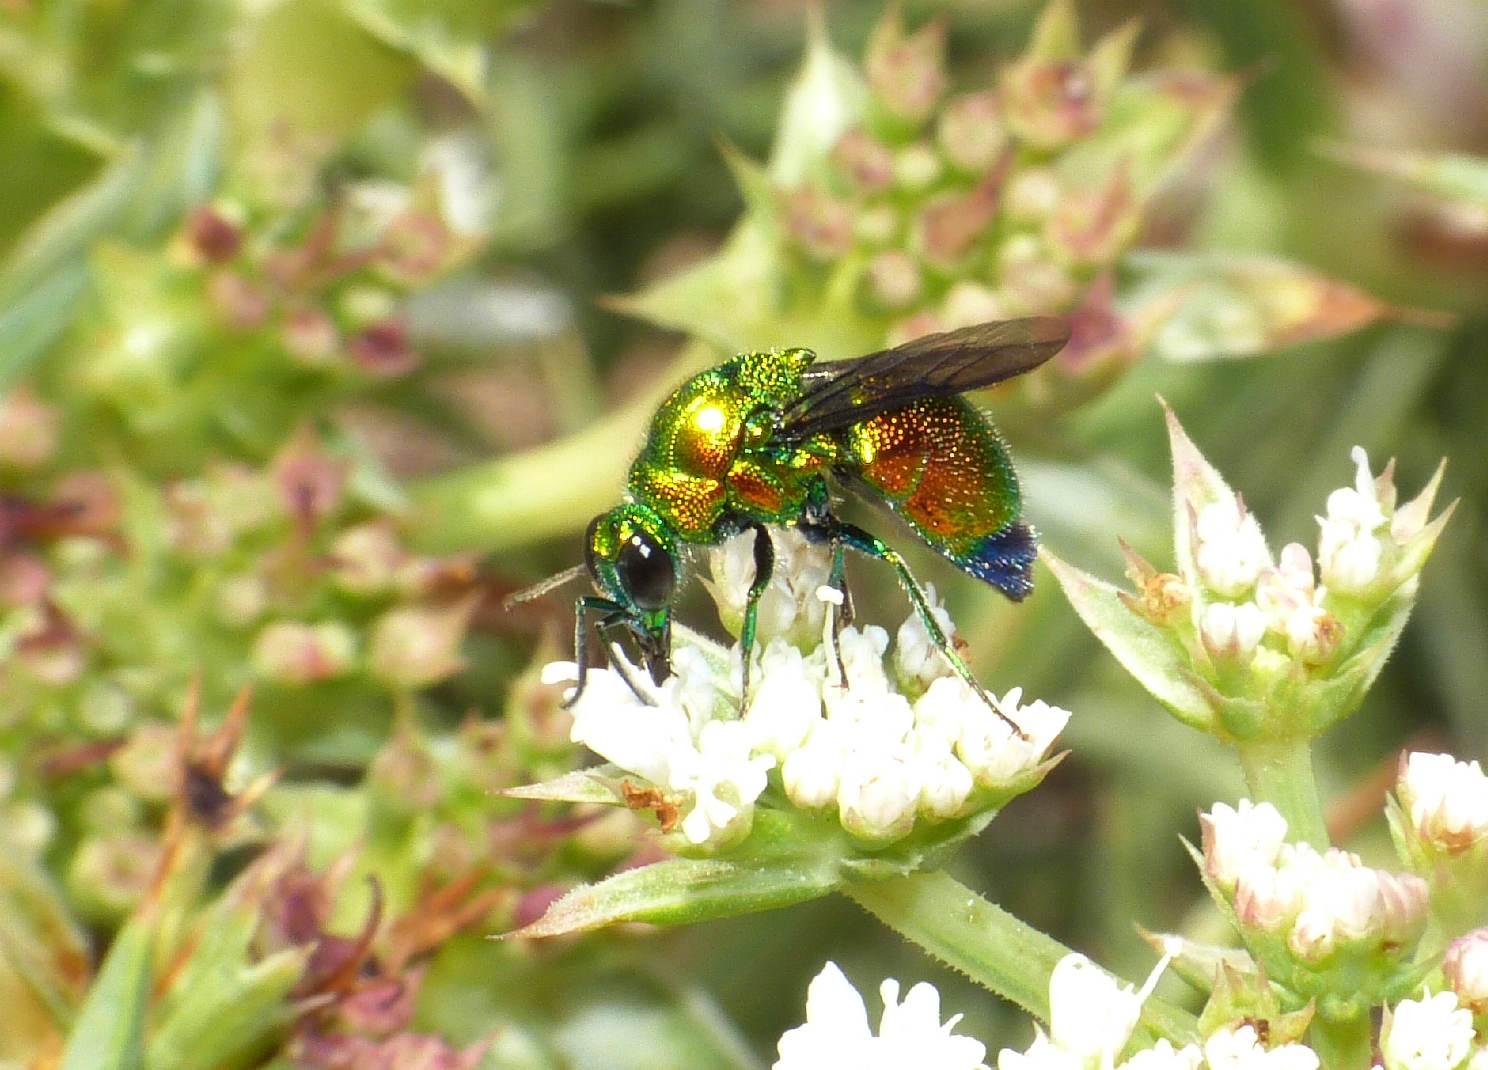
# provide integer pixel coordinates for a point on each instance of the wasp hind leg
(873, 546)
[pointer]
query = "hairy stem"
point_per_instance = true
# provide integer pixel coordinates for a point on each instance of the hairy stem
(989, 945)
(1280, 772)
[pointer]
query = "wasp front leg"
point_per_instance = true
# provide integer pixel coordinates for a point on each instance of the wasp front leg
(614, 616)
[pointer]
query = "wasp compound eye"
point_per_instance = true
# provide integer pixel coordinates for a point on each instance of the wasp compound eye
(645, 571)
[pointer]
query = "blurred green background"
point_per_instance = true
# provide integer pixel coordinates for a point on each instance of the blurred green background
(181, 323)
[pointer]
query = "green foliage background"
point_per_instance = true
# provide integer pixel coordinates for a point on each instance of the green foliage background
(600, 137)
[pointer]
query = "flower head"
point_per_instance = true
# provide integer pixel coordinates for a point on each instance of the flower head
(1317, 902)
(1445, 801)
(1433, 1033)
(881, 740)
(836, 1031)
(1240, 1049)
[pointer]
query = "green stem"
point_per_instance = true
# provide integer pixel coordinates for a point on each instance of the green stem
(1343, 1045)
(1280, 772)
(546, 491)
(992, 947)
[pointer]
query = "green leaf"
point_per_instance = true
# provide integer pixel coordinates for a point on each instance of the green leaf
(581, 786)
(1143, 649)
(1450, 176)
(1152, 127)
(40, 942)
(109, 1030)
(231, 1013)
(1228, 305)
(35, 319)
(286, 113)
(682, 891)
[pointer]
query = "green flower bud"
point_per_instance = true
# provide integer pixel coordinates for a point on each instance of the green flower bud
(109, 874)
(917, 167)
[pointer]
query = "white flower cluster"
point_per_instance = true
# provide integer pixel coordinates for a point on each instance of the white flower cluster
(836, 1031)
(834, 723)
(1445, 801)
(1317, 901)
(1434, 1033)
(1090, 1022)
(1361, 537)
(1091, 1018)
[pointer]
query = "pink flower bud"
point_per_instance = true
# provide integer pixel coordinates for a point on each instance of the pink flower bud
(416, 646)
(1465, 966)
(867, 163)
(28, 430)
(951, 223)
(383, 349)
(238, 301)
(295, 653)
(213, 237)
(906, 73)
(310, 337)
(1050, 103)
(819, 223)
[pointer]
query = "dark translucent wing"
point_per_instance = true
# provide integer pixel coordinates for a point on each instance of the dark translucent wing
(846, 391)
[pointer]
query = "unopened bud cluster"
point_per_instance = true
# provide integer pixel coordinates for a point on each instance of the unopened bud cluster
(1317, 903)
(112, 598)
(1284, 645)
(952, 208)
(304, 302)
(877, 740)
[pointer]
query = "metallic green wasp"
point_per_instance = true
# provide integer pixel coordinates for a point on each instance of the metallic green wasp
(762, 439)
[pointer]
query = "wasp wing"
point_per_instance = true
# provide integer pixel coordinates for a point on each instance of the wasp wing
(847, 391)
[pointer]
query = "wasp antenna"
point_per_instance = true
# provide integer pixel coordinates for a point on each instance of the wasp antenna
(542, 587)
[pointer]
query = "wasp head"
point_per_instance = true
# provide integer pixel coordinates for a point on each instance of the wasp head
(632, 558)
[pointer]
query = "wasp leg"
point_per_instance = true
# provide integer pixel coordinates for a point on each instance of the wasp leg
(764, 568)
(614, 613)
(818, 524)
(873, 546)
(605, 626)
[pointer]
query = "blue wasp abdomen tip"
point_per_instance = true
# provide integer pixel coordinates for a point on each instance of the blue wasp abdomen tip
(1005, 560)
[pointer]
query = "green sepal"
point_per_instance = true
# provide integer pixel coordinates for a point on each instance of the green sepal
(1204, 966)
(1245, 995)
(1148, 652)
